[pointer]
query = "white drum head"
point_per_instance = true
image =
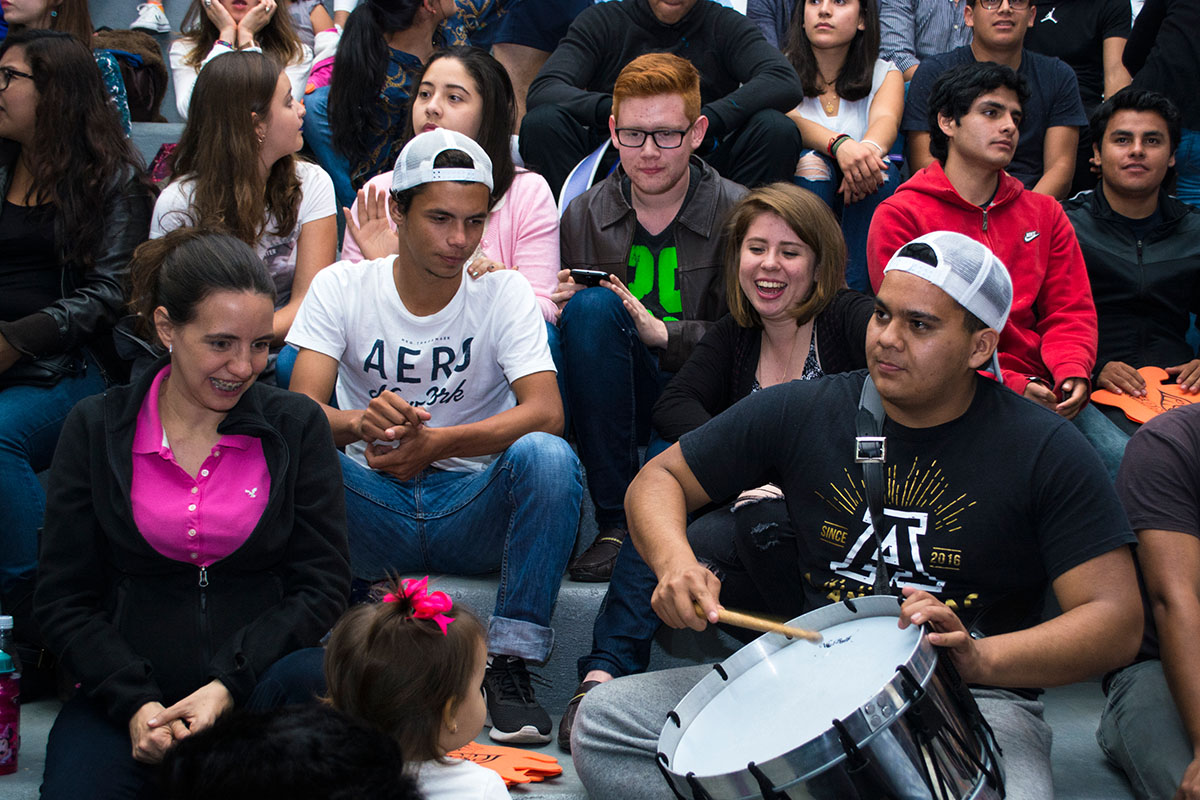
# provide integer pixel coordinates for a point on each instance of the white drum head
(792, 696)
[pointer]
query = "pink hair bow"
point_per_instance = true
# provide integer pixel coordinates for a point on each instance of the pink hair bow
(425, 604)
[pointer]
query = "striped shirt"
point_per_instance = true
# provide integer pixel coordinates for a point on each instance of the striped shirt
(912, 30)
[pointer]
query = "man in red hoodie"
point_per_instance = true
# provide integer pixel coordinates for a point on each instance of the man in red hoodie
(1048, 347)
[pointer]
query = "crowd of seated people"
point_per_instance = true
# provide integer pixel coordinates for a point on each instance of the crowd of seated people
(376, 324)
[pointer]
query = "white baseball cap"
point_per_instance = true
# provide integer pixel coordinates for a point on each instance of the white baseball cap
(414, 165)
(964, 269)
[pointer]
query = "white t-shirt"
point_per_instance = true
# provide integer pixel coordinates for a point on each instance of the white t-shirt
(851, 116)
(317, 201)
(459, 779)
(184, 75)
(458, 363)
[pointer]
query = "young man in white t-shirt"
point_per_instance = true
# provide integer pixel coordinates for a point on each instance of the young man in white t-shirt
(446, 405)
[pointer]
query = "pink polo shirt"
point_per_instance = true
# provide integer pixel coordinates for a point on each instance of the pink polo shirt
(196, 520)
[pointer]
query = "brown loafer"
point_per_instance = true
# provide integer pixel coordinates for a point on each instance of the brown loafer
(595, 565)
(567, 723)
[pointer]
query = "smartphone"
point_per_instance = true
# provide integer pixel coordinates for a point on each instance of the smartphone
(589, 277)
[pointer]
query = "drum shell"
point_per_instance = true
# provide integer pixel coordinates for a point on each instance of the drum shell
(885, 728)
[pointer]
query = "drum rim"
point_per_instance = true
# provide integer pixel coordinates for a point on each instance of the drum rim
(824, 751)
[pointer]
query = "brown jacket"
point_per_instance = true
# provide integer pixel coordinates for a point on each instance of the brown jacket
(597, 233)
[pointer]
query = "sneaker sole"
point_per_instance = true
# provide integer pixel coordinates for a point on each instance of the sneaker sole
(150, 28)
(527, 735)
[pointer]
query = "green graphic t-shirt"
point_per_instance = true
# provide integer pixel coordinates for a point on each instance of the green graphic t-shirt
(653, 262)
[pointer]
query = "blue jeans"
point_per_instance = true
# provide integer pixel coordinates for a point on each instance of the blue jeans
(1108, 440)
(1141, 732)
(87, 755)
(1187, 167)
(318, 135)
(30, 420)
(855, 217)
(518, 516)
(612, 383)
(554, 341)
(725, 541)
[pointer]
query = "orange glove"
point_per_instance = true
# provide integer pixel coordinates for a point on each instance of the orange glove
(513, 764)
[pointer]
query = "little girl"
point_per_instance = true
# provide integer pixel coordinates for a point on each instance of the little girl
(413, 665)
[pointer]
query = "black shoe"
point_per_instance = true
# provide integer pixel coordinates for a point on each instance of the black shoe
(513, 711)
(595, 565)
(568, 718)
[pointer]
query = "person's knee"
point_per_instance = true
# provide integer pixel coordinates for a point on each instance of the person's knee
(543, 120)
(774, 129)
(595, 308)
(813, 167)
(545, 453)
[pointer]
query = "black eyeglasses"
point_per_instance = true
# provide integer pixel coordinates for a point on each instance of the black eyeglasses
(1015, 5)
(8, 73)
(663, 140)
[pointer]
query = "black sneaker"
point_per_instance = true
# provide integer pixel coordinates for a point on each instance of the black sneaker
(595, 565)
(567, 723)
(513, 711)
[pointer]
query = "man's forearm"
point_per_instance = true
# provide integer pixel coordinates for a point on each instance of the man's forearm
(1086, 641)
(656, 512)
(496, 433)
(1177, 620)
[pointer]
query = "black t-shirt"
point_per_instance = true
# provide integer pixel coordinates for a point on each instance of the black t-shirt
(1159, 485)
(1075, 30)
(30, 276)
(1141, 227)
(653, 261)
(1053, 101)
(984, 511)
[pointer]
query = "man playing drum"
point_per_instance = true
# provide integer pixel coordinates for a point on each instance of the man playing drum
(987, 500)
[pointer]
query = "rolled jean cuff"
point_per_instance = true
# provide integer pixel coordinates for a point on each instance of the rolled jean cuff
(516, 637)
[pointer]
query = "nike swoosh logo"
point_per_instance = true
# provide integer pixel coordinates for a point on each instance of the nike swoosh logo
(1030, 236)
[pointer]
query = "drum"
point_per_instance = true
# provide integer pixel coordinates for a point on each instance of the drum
(870, 713)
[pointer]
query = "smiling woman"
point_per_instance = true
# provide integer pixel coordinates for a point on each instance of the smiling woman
(208, 498)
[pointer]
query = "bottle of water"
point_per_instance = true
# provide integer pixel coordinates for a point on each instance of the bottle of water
(10, 714)
(6, 642)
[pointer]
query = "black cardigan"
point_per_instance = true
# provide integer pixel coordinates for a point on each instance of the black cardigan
(135, 626)
(721, 368)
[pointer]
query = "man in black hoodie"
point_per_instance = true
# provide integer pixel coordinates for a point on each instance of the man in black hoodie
(1141, 246)
(746, 85)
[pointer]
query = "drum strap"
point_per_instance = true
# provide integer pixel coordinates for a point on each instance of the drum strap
(870, 450)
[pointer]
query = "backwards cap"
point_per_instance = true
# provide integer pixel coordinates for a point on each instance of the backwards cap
(964, 269)
(414, 165)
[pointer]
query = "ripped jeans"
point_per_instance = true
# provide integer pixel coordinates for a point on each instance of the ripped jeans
(751, 550)
(820, 175)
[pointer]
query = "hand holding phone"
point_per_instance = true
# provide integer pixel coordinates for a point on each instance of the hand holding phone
(589, 277)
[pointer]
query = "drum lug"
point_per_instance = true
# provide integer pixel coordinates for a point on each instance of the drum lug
(661, 761)
(764, 784)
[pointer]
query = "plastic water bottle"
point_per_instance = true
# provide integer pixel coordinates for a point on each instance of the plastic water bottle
(6, 642)
(10, 714)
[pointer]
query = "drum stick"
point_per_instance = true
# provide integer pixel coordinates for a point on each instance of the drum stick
(739, 619)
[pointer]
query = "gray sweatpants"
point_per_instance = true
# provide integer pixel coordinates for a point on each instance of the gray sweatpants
(616, 736)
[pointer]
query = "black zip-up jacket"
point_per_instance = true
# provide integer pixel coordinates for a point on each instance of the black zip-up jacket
(1143, 289)
(135, 626)
(92, 299)
(720, 371)
(740, 73)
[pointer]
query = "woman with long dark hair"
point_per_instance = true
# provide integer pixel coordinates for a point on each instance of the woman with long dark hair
(235, 169)
(74, 208)
(356, 123)
(215, 27)
(71, 16)
(849, 117)
(194, 551)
